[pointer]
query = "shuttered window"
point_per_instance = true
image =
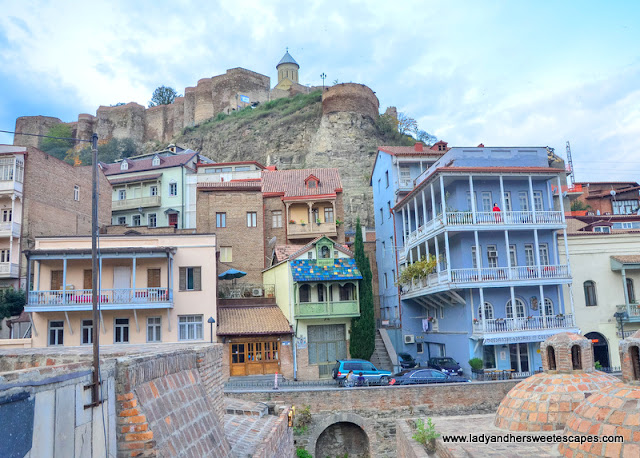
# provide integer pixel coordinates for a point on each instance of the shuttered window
(153, 278)
(56, 279)
(87, 282)
(190, 279)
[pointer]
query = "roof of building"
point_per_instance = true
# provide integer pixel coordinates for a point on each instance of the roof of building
(135, 178)
(261, 320)
(139, 165)
(226, 164)
(233, 185)
(284, 251)
(287, 59)
(309, 270)
(291, 183)
(627, 259)
(416, 150)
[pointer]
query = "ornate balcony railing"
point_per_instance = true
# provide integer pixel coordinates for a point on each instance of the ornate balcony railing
(525, 323)
(125, 204)
(326, 309)
(106, 296)
(310, 229)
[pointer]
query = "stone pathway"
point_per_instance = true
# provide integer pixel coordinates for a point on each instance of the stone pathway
(483, 424)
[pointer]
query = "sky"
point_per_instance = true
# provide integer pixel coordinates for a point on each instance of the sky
(501, 73)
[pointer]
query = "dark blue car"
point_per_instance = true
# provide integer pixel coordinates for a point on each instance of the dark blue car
(422, 376)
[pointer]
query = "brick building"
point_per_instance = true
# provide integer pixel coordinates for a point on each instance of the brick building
(608, 197)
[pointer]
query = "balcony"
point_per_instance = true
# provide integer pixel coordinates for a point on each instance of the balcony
(8, 270)
(333, 309)
(633, 312)
(9, 229)
(306, 231)
(10, 186)
(489, 276)
(533, 323)
(109, 299)
(138, 202)
(246, 291)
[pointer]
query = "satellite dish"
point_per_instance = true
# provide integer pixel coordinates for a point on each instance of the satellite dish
(272, 242)
(612, 192)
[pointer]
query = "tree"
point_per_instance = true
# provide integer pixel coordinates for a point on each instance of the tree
(12, 302)
(55, 146)
(363, 328)
(406, 125)
(578, 205)
(426, 138)
(163, 95)
(114, 149)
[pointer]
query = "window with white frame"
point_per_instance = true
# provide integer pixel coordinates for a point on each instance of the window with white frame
(5, 255)
(624, 207)
(276, 218)
(56, 333)
(488, 311)
(153, 190)
(155, 161)
(154, 329)
(328, 215)
(252, 219)
(507, 201)
(544, 254)
(492, 256)
(474, 258)
(173, 189)
(76, 192)
(529, 255)
(513, 256)
(124, 165)
(151, 219)
(226, 254)
(537, 201)
(548, 307)
(86, 332)
(190, 279)
(469, 203)
(603, 229)
(122, 220)
(122, 194)
(518, 312)
(405, 176)
(590, 297)
(190, 327)
(135, 220)
(487, 204)
(19, 171)
(419, 347)
(6, 169)
(523, 197)
(6, 216)
(121, 330)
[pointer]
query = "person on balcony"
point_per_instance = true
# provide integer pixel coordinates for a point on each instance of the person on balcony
(496, 213)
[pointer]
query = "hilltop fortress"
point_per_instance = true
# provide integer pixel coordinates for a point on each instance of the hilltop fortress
(234, 90)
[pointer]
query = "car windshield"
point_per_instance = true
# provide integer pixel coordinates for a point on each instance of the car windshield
(446, 362)
(405, 356)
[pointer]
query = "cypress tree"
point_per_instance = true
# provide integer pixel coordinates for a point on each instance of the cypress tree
(363, 328)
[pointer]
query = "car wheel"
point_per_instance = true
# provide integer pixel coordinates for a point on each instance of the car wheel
(384, 380)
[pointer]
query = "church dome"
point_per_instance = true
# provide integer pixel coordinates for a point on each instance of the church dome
(287, 59)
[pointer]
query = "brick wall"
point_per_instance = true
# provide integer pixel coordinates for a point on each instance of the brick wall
(350, 97)
(280, 439)
(39, 125)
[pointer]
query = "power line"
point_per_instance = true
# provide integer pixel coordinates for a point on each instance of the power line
(45, 136)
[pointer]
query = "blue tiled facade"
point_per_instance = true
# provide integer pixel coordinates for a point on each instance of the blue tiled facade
(309, 270)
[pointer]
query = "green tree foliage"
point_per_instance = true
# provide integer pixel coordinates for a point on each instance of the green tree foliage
(163, 95)
(578, 205)
(12, 302)
(363, 328)
(426, 138)
(406, 124)
(114, 149)
(417, 270)
(55, 147)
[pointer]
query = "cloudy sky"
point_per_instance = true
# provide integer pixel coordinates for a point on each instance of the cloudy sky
(497, 72)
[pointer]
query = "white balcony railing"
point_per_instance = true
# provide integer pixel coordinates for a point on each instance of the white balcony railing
(8, 269)
(525, 324)
(10, 228)
(124, 204)
(106, 296)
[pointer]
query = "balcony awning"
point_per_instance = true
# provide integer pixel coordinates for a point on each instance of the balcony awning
(263, 320)
(135, 179)
(104, 253)
(341, 269)
(523, 337)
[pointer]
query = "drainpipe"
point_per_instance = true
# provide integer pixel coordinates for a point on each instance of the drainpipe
(182, 212)
(295, 358)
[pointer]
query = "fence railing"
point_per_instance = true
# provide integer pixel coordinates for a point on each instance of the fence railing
(106, 296)
(245, 290)
(531, 323)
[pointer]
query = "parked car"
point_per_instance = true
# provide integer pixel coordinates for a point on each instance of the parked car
(420, 376)
(446, 365)
(372, 375)
(407, 361)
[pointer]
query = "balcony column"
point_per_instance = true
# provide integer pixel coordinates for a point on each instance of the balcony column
(26, 286)
(433, 202)
(404, 230)
(310, 205)
(503, 202)
(514, 310)
(335, 215)
(566, 248)
(13, 209)
(573, 309)
(484, 318)
(133, 278)
(478, 257)
(506, 243)
(472, 198)
(64, 280)
(415, 205)
(626, 291)
(286, 211)
(447, 255)
(560, 299)
(424, 208)
(38, 277)
(560, 201)
(550, 195)
(418, 248)
(443, 200)
(532, 200)
(537, 253)
(437, 254)
(543, 312)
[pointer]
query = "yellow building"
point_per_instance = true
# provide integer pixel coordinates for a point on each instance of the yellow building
(152, 288)
(287, 72)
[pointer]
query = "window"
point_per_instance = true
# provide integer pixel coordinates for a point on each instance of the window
(487, 204)
(226, 254)
(489, 356)
(305, 293)
(6, 216)
(6, 169)
(347, 292)
(56, 333)
(151, 218)
(87, 279)
(328, 215)
(384, 248)
(221, 220)
(154, 329)
(190, 279)
(310, 255)
(469, 202)
(507, 201)
(419, 347)
(76, 192)
(389, 207)
(5, 256)
(153, 278)
(519, 311)
(311, 184)
(624, 207)
(321, 293)
(121, 330)
(122, 220)
(173, 189)
(325, 253)
(252, 219)
(626, 225)
(513, 257)
(190, 327)
(386, 283)
(124, 165)
(523, 197)
(405, 176)
(135, 220)
(474, 258)
(386, 177)
(537, 201)
(153, 190)
(122, 194)
(56, 279)
(548, 307)
(590, 298)
(630, 290)
(87, 332)
(603, 229)
(379, 181)
(155, 161)
(488, 311)
(529, 257)
(544, 254)
(276, 218)
(393, 275)
(381, 215)
(492, 256)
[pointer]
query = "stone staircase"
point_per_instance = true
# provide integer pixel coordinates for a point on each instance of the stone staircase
(380, 357)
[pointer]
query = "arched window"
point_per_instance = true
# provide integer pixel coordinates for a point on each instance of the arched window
(630, 290)
(305, 293)
(590, 298)
(347, 292)
(124, 165)
(488, 311)
(634, 353)
(548, 307)
(155, 161)
(576, 357)
(551, 358)
(321, 293)
(519, 311)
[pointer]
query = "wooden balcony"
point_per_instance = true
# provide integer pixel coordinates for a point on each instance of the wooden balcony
(333, 309)
(311, 230)
(138, 202)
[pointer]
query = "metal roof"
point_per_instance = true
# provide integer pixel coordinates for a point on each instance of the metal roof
(287, 59)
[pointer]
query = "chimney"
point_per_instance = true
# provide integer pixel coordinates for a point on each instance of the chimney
(481, 145)
(419, 147)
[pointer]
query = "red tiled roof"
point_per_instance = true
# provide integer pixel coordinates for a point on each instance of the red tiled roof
(261, 320)
(154, 176)
(139, 165)
(627, 259)
(284, 251)
(410, 151)
(291, 183)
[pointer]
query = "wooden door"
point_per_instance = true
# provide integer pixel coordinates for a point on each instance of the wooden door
(56, 280)
(255, 357)
(173, 219)
(87, 280)
(238, 359)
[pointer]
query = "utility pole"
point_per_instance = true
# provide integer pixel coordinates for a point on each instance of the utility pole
(95, 385)
(323, 76)
(570, 161)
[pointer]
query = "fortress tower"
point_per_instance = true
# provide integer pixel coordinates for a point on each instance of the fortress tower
(287, 72)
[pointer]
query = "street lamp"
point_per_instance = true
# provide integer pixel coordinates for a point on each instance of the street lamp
(621, 317)
(211, 321)
(323, 76)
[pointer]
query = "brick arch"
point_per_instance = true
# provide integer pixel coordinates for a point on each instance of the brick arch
(324, 421)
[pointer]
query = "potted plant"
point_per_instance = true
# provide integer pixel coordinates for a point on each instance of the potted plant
(431, 319)
(302, 222)
(318, 221)
(292, 221)
(476, 321)
(476, 364)
(338, 222)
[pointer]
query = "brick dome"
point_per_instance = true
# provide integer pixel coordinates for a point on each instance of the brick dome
(544, 401)
(614, 410)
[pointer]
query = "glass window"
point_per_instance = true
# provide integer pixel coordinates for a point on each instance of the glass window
(221, 220)
(590, 298)
(86, 331)
(76, 192)
(386, 177)
(529, 256)
(537, 201)
(507, 201)
(488, 311)
(492, 256)
(347, 292)
(487, 203)
(252, 219)
(156, 160)
(121, 330)
(419, 347)
(151, 218)
(630, 290)
(122, 194)
(122, 220)
(6, 216)
(519, 311)
(513, 257)
(305, 293)
(135, 220)
(124, 165)
(624, 207)
(173, 189)
(386, 283)
(548, 307)
(603, 229)
(523, 197)
(6, 169)
(489, 356)
(276, 218)
(384, 248)
(321, 293)
(328, 215)
(154, 329)
(469, 202)
(190, 327)
(381, 215)
(474, 258)
(56, 333)
(190, 279)
(226, 254)
(544, 254)
(153, 190)
(5, 256)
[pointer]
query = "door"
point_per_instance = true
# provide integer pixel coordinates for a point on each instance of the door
(326, 344)
(173, 219)
(121, 284)
(255, 357)
(519, 354)
(238, 358)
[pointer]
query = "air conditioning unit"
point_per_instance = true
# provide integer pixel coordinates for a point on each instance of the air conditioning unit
(591, 214)
(607, 213)
(409, 338)
(257, 292)
(492, 253)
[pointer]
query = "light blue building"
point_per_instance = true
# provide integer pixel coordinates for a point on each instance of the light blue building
(490, 218)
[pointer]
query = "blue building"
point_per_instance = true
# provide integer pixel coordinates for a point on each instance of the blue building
(490, 218)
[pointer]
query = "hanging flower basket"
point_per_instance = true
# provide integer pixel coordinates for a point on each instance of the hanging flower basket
(291, 221)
